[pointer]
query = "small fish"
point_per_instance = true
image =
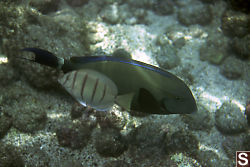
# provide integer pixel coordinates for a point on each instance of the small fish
(141, 87)
(90, 88)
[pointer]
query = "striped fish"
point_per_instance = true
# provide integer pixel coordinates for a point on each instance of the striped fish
(90, 88)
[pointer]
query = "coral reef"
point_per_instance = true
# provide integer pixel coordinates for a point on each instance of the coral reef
(45, 7)
(162, 7)
(5, 124)
(77, 3)
(195, 14)
(199, 121)
(214, 50)
(230, 119)
(210, 158)
(110, 143)
(23, 108)
(167, 57)
(75, 136)
(181, 141)
(235, 24)
(232, 68)
(41, 125)
(241, 46)
(9, 156)
(232, 144)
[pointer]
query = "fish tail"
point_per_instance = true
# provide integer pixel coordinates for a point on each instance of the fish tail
(44, 57)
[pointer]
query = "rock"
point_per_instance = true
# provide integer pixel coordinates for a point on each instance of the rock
(36, 156)
(23, 26)
(116, 118)
(232, 68)
(147, 135)
(242, 47)
(11, 21)
(36, 75)
(182, 3)
(150, 156)
(186, 73)
(9, 157)
(232, 144)
(240, 5)
(7, 79)
(208, 1)
(163, 7)
(246, 144)
(179, 43)
(26, 111)
(147, 142)
(215, 50)
(212, 54)
(201, 120)
(122, 53)
(210, 158)
(181, 141)
(140, 15)
(247, 112)
(30, 120)
(167, 57)
(229, 119)
(116, 163)
(77, 3)
(235, 24)
(25, 107)
(110, 143)
(196, 13)
(45, 6)
(112, 119)
(173, 34)
(162, 39)
(108, 2)
(5, 124)
(141, 4)
(75, 136)
(110, 14)
(69, 162)
(77, 110)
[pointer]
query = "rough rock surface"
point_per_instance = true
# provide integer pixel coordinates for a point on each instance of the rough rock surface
(230, 119)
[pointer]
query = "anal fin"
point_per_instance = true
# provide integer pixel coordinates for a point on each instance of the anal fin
(147, 102)
(125, 100)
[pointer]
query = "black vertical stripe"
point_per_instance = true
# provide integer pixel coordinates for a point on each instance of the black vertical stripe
(103, 93)
(66, 79)
(74, 79)
(94, 90)
(83, 84)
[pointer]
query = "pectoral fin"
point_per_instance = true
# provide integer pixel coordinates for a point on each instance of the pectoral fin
(125, 100)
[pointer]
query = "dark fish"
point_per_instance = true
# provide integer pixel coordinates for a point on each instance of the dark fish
(141, 86)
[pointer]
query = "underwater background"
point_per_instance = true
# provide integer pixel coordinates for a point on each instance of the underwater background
(206, 43)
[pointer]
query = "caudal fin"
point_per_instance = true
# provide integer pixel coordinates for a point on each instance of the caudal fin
(44, 57)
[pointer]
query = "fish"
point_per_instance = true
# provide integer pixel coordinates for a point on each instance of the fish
(140, 86)
(90, 88)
